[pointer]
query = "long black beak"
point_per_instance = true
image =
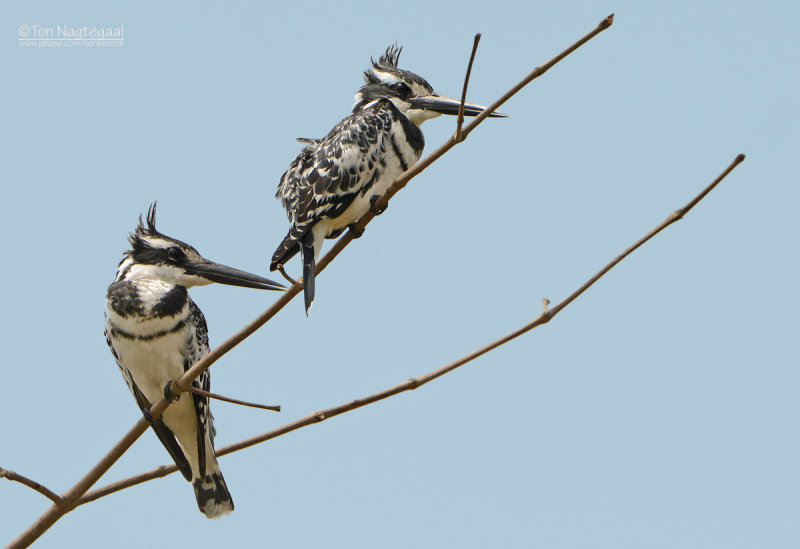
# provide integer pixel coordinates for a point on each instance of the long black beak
(228, 275)
(448, 105)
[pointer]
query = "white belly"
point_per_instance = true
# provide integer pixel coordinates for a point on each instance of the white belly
(151, 365)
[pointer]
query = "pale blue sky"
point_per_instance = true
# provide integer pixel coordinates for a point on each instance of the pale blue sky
(659, 410)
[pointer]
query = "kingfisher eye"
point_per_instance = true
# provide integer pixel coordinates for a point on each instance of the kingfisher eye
(175, 253)
(401, 89)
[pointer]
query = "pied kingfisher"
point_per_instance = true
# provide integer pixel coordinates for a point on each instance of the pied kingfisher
(156, 332)
(335, 180)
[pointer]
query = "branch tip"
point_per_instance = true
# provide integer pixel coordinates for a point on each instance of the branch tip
(32, 484)
(458, 137)
(207, 394)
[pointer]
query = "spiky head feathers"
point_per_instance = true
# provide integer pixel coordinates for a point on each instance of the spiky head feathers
(156, 255)
(147, 240)
(385, 80)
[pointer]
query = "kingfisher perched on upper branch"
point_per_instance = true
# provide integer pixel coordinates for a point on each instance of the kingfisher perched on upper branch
(335, 180)
(156, 333)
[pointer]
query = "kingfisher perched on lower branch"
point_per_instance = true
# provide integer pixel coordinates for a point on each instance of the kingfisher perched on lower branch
(156, 333)
(335, 180)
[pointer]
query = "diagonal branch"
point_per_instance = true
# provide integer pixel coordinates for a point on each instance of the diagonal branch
(408, 175)
(72, 496)
(414, 383)
(11, 475)
(673, 217)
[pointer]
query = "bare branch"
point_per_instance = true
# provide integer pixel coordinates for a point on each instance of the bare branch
(195, 390)
(411, 384)
(112, 487)
(72, 496)
(673, 217)
(16, 477)
(460, 120)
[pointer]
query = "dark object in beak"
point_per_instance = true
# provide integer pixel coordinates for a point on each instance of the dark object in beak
(228, 275)
(448, 105)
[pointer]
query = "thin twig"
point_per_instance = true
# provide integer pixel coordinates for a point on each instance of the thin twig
(291, 280)
(460, 120)
(673, 217)
(16, 477)
(206, 394)
(411, 384)
(110, 488)
(73, 495)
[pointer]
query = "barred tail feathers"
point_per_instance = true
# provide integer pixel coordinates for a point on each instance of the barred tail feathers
(306, 240)
(212, 495)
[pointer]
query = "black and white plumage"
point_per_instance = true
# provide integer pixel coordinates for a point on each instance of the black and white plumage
(156, 332)
(333, 181)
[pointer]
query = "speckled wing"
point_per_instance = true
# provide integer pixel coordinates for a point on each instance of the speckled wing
(292, 179)
(346, 162)
(327, 175)
(197, 348)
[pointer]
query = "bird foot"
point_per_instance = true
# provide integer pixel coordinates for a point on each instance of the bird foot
(169, 394)
(373, 208)
(357, 233)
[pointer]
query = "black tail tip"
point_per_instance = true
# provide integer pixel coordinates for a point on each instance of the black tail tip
(212, 495)
(309, 301)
